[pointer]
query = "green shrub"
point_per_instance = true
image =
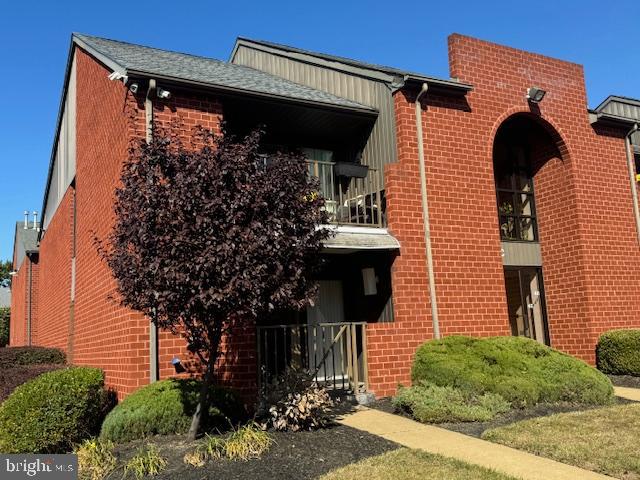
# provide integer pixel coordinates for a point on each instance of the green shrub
(13, 356)
(166, 407)
(618, 352)
(523, 371)
(5, 315)
(53, 412)
(429, 403)
(10, 378)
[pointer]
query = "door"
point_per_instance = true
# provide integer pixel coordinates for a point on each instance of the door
(328, 309)
(525, 303)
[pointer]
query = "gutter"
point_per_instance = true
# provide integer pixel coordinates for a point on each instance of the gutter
(30, 301)
(425, 213)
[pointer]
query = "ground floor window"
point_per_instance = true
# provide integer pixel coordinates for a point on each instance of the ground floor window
(525, 303)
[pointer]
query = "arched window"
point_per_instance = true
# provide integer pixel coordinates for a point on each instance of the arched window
(514, 187)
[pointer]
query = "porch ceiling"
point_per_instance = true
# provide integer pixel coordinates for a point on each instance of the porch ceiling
(352, 239)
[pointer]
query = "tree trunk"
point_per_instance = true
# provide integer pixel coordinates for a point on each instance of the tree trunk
(202, 409)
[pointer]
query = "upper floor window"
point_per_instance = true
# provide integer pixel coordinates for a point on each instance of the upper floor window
(514, 191)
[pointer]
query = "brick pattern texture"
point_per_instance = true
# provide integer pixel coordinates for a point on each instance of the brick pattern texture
(587, 232)
(584, 203)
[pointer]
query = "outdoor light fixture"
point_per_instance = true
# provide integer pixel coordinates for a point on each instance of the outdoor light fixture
(177, 365)
(162, 93)
(133, 88)
(13, 273)
(535, 94)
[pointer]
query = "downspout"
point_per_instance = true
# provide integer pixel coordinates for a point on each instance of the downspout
(30, 301)
(632, 178)
(425, 214)
(153, 329)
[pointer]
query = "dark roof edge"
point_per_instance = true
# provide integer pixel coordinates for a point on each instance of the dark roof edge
(376, 72)
(178, 80)
(617, 98)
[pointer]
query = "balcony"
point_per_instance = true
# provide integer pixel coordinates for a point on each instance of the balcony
(354, 194)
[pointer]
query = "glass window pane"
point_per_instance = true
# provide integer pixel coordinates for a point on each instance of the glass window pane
(525, 230)
(505, 203)
(523, 181)
(525, 204)
(508, 228)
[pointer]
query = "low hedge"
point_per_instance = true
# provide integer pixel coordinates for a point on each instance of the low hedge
(523, 371)
(12, 356)
(53, 412)
(166, 407)
(10, 378)
(618, 352)
(429, 403)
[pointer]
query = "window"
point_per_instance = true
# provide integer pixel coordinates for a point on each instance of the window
(515, 196)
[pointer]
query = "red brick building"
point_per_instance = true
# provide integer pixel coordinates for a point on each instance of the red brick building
(490, 203)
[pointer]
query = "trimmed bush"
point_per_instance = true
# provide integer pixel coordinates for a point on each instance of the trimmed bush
(5, 315)
(166, 407)
(523, 371)
(13, 356)
(53, 412)
(432, 404)
(10, 378)
(618, 352)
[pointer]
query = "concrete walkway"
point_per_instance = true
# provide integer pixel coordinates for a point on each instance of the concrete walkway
(628, 393)
(432, 439)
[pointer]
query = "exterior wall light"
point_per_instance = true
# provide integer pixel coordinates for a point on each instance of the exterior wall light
(177, 365)
(535, 94)
(13, 273)
(163, 94)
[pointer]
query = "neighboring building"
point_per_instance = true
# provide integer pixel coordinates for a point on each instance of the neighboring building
(24, 284)
(493, 215)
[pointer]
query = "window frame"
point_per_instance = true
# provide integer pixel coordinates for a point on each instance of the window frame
(517, 171)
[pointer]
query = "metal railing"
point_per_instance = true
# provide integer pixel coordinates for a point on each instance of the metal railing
(350, 200)
(335, 354)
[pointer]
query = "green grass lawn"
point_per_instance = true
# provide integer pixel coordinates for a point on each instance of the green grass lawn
(407, 464)
(605, 440)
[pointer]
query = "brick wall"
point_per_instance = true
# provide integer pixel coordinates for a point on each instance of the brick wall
(96, 330)
(20, 286)
(586, 224)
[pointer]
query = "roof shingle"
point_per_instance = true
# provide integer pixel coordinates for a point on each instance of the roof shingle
(182, 66)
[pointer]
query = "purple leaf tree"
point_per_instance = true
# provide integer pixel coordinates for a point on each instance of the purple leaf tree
(212, 235)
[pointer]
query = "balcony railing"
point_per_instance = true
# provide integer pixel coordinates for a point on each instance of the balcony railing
(335, 354)
(350, 199)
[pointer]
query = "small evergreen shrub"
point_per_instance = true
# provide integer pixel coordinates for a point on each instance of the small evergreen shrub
(53, 412)
(14, 356)
(10, 378)
(429, 403)
(166, 407)
(618, 352)
(5, 315)
(522, 371)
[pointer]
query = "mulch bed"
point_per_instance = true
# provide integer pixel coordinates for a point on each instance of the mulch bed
(295, 455)
(625, 381)
(475, 429)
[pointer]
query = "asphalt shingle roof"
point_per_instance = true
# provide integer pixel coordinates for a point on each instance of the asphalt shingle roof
(182, 66)
(27, 237)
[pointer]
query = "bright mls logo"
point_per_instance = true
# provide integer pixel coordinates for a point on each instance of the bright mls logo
(50, 467)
